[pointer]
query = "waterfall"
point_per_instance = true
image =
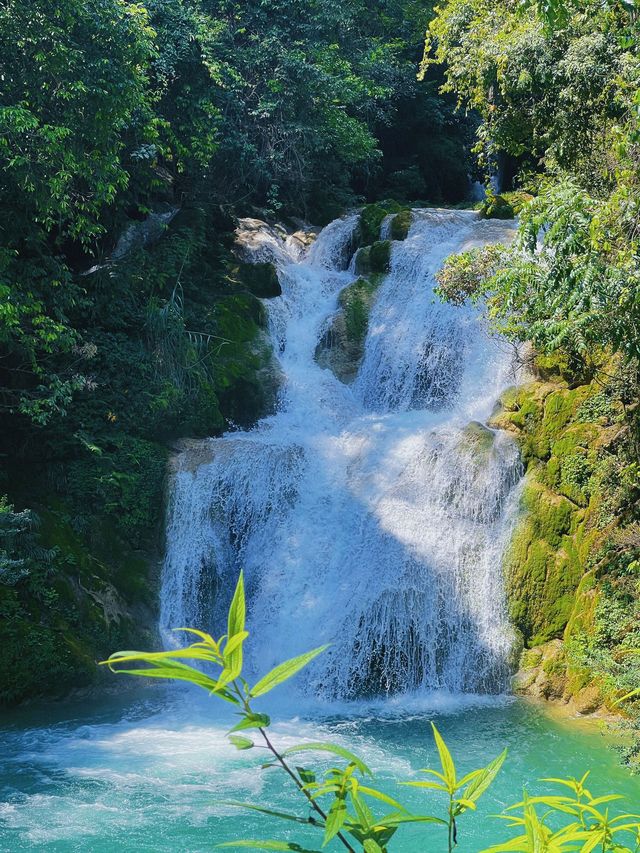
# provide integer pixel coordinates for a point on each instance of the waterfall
(371, 516)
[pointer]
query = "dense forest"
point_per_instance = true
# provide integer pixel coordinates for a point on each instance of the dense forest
(133, 135)
(123, 123)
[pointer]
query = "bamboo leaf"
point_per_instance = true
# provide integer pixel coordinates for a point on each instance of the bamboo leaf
(241, 742)
(284, 671)
(334, 749)
(271, 812)
(448, 767)
(251, 721)
(335, 820)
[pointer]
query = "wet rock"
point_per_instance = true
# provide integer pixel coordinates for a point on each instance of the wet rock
(260, 279)
(140, 234)
(341, 348)
(374, 259)
(400, 225)
(477, 439)
(543, 672)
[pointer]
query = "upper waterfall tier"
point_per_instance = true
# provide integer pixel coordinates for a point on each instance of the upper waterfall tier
(370, 516)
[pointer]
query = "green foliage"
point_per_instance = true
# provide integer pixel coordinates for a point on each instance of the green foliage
(547, 87)
(341, 802)
(587, 826)
(59, 608)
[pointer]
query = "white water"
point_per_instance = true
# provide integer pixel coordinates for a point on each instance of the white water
(363, 516)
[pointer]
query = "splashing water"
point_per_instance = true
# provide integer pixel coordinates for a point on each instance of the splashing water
(370, 516)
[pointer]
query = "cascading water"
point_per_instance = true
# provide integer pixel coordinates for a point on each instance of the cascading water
(370, 516)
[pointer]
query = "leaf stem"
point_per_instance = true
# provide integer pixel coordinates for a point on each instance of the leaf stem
(279, 758)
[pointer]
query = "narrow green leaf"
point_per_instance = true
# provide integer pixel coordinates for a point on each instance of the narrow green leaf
(206, 638)
(234, 643)
(371, 846)
(478, 785)
(251, 721)
(271, 812)
(241, 742)
(335, 820)
(235, 628)
(435, 786)
(307, 776)
(448, 767)
(333, 748)
(398, 819)
(284, 671)
(237, 609)
(378, 795)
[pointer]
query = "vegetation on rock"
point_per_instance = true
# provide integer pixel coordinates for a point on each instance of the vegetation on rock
(341, 349)
(556, 87)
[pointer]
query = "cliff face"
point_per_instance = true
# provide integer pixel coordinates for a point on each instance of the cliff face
(571, 569)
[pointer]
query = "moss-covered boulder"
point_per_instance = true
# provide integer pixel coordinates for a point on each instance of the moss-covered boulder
(372, 217)
(374, 259)
(505, 205)
(401, 224)
(477, 440)
(570, 433)
(341, 348)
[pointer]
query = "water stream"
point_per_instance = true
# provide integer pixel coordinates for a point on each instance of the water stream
(371, 516)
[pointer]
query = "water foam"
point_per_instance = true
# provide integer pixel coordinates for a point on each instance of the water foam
(372, 517)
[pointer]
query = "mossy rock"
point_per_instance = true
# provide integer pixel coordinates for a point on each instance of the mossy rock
(401, 224)
(553, 366)
(342, 346)
(505, 205)
(356, 301)
(259, 279)
(496, 207)
(477, 439)
(380, 256)
(551, 514)
(374, 259)
(371, 219)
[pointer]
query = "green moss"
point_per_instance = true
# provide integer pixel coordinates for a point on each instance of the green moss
(477, 439)
(531, 658)
(496, 207)
(59, 619)
(552, 514)
(374, 259)
(504, 206)
(558, 532)
(370, 222)
(356, 301)
(400, 224)
(380, 256)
